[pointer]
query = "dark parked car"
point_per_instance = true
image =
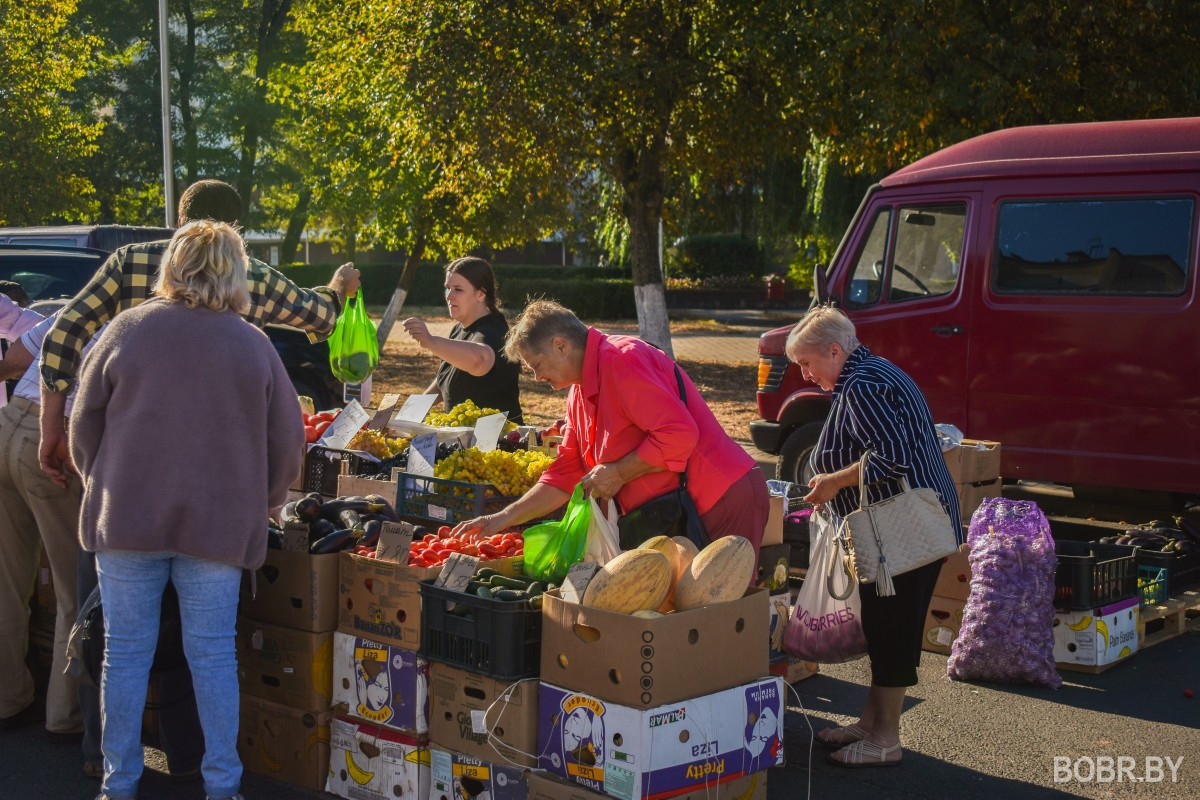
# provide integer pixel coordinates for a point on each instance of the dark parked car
(51, 273)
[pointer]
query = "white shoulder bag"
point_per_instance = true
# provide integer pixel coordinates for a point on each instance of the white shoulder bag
(896, 535)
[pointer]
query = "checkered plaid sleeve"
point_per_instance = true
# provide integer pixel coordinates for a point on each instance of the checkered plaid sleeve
(276, 300)
(123, 280)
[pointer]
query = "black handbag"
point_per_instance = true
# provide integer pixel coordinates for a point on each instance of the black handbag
(671, 514)
(168, 655)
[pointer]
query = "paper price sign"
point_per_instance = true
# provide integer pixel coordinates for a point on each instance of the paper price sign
(295, 537)
(422, 455)
(395, 539)
(416, 407)
(577, 580)
(383, 415)
(487, 430)
(342, 430)
(457, 573)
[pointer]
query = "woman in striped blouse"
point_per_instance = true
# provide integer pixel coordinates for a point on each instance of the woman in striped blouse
(876, 407)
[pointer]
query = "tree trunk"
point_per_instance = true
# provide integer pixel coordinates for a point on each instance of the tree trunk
(407, 277)
(642, 180)
(187, 71)
(296, 224)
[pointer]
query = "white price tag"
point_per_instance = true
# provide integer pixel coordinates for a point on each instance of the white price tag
(487, 430)
(416, 407)
(395, 539)
(422, 454)
(437, 512)
(383, 414)
(457, 573)
(577, 580)
(478, 723)
(945, 637)
(342, 430)
(295, 537)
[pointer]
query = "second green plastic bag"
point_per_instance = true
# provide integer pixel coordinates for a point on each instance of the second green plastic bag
(552, 547)
(353, 346)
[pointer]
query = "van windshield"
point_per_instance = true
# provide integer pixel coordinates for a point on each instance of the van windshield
(1127, 247)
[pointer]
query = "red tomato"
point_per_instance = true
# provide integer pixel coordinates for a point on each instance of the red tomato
(470, 549)
(372, 554)
(444, 531)
(453, 544)
(310, 434)
(488, 552)
(429, 537)
(321, 427)
(324, 416)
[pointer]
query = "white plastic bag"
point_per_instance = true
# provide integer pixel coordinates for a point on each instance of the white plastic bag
(603, 538)
(823, 628)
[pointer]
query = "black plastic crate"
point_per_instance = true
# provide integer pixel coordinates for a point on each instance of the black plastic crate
(499, 638)
(1183, 569)
(1091, 575)
(444, 501)
(322, 465)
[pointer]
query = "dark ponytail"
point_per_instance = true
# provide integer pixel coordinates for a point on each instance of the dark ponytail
(479, 274)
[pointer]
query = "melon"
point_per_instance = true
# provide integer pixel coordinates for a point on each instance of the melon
(677, 556)
(719, 574)
(636, 580)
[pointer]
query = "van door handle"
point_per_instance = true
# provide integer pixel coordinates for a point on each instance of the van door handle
(948, 330)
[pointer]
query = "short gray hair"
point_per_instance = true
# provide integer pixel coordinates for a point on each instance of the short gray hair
(823, 325)
(538, 324)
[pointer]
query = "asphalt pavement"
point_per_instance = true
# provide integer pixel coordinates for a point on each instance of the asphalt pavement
(962, 740)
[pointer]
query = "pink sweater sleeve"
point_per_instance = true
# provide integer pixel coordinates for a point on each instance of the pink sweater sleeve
(285, 441)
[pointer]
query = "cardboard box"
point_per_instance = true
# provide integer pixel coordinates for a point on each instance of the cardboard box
(648, 754)
(465, 706)
(368, 762)
(746, 787)
(773, 533)
(284, 744)
(779, 613)
(970, 495)
(647, 662)
(975, 461)
(943, 621)
(352, 486)
(381, 600)
(1098, 637)
(457, 776)
(294, 589)
(380, 683)
(793, 670)
(286, 666)
(954, 581)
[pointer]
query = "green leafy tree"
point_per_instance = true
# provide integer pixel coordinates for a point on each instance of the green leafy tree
(43, 140)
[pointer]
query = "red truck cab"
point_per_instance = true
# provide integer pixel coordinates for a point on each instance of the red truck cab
(1039, 285)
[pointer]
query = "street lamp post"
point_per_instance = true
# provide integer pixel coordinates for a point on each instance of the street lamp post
(164, 71)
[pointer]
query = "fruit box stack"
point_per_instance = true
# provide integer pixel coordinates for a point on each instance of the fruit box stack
(650, 708)
(285, 650)
(975, 468)
(943, 620)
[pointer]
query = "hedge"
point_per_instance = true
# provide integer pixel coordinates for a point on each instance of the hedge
(706, 255)
(591, 292)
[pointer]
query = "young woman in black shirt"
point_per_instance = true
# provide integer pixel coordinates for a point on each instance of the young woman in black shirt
(473, 364)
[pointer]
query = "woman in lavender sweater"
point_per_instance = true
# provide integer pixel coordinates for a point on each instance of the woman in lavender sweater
(186, 431)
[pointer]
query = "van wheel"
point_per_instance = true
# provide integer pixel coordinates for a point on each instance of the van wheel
(795, 453)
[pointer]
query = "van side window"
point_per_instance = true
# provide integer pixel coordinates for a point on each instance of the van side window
(866, 280)
(1122, 247)
(929, 246)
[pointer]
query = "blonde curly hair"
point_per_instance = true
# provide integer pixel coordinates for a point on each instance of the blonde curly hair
(205, 266)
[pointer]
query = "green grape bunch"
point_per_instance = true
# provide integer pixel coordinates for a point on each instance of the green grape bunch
(511, 474)
(464, 415)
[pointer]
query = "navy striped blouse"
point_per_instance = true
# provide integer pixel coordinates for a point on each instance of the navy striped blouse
(877, 406)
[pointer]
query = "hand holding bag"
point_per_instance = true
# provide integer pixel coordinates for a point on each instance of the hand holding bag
(896, 535)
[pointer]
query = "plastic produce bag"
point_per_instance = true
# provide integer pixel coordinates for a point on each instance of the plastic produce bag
(823, 628)
(353, 346)
(552, 547)
(604, 538)
(1007, 631)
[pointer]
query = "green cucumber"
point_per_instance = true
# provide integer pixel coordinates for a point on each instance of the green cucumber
(485, 574)
(535, 588)
(506, 582)
(508, 595)
(482, 590)
(535, 602)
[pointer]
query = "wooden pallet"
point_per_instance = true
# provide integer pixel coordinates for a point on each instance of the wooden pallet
(1164, 621)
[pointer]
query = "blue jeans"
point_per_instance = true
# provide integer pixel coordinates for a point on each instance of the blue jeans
(131, 587)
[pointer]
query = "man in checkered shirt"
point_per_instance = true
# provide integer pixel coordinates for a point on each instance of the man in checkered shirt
(125, 280)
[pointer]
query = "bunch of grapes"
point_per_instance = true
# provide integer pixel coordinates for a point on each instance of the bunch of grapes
(511, 473)
(464, 415)
(378, 444)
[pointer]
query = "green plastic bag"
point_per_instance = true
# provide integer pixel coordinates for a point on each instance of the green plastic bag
(553, 547)
(353, 346)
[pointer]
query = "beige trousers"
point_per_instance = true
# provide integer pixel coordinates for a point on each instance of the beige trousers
(34, 513)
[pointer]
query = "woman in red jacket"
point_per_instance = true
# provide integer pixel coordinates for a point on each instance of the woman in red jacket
(629, 434)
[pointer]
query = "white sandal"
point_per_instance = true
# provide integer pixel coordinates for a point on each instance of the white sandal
(840, 737)
(865, 753)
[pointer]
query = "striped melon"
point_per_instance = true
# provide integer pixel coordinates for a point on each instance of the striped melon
(721, 573)
(636, 580)
(677, 556)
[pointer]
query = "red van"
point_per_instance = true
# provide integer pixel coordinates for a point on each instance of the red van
(1039, 284)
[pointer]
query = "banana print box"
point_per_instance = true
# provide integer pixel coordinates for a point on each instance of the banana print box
(284, 743)
(1098, 637)
(367, 762)
(379, 683)
(461, 777)
(650, 754)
